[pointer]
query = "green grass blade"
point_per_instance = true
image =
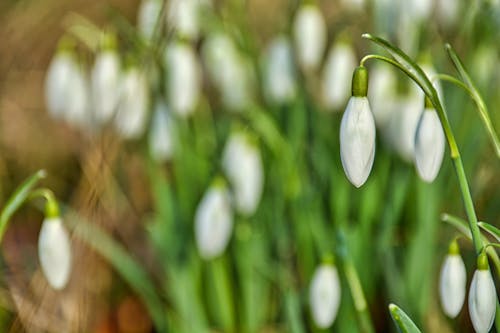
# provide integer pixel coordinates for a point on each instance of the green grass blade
(17, 200)
(492, 230)
(402, 321)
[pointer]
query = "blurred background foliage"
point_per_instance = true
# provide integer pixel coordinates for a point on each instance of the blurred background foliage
(389, 230)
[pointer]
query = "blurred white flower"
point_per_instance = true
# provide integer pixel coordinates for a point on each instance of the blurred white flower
(105, 85)
(448, 12)
(357, 140)
(214, 221)
(310, 35)
(337, 75)
(484, 59)
(160, 134)
(353, 5)
(242, 164)
(132, 114)
(324, 295)
(183, 82)
(147, 18)
(429, 145)
(419, 9)
(184, 17)
(279, 71)
(452, 284)
(54, 252)
(482, 300)
(381, 93)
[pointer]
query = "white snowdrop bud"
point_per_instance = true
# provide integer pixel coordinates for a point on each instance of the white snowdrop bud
(324, 295)
(58, 83)
(214, 221)
(279, 71)
(184, 17)
(160, 135)
(337, 73)
(148, 16)
(452, 282)
(310, 36)
(78, 107)
(429, 144)
(482, 297)
(130, 120)
(357, 132)
(381, 93)
(105, 85)
(420, 9)
(243, 166)
(54, 251)
(184, 82)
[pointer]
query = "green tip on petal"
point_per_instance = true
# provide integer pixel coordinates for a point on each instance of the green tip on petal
(454, 249)
(51, 208)
(328, 259)
(360, 82)
(482, 262)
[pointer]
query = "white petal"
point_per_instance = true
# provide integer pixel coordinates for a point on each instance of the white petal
(54, 251)
(213, 222)
(381, 93)
(184, 16)
(324, 295)
(160, 135)
(482, 301)
(147, 17)
(279, 74)
(452, 285)
(403, 126)
(105, 85)
(58, 82)
(337, 75)
(310, 36)
(78, 108)
(429, 145)
(357, 140)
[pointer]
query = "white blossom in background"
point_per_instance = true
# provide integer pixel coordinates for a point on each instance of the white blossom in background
(214, 221)
(448, 12)
(54, 252)
(147, 18)
(184, 78)
(161, 143)
(353, 5)
(105, 85)
(230, 71)
(452, 284)
(184, 17)
(324, 295)
(310, 34)
(420, 9)
(242, 164)
(482, 300)
(132, 113)
(337, 75)
(429, 145)
(381, 93)
(357, 140)
(484, 59)
(279, 71)
(78, 112)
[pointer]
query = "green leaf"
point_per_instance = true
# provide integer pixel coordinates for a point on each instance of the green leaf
(17, 199)
(126, 266)
(492, 230)
(402, 321)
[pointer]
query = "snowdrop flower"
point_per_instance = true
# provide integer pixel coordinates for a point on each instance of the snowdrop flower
(279, 72)
(310, 36)
(132, 113)
(420, 9)
(383, 84)
(105, 84)
(148, 16)
(184, 17)
(214, 221)
(324, 295)
(339, 66)
(242, 164)
(482, 297)
(184, 82)
(54, 249)
(160, 135)
(429, 144)
(452, 282)
(357, 132)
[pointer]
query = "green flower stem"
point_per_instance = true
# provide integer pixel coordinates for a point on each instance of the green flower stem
(51, 206)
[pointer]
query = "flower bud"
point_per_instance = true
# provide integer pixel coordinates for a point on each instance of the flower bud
(381, 93)
(324, 295)
(54, 252)
(148, 16)
(482, 297)
(429, 144)
(184, 17)
(105, 85)
(279, 74)
(357, 132)
(337, 73)
(58, 83)
(243, 166)
(310, 36)
(132, 113)
(160, 135)
(452, 282)
(214, 221)
(183, 83)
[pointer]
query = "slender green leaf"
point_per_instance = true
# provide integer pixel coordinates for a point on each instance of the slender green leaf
(17, 199)
(492, 230)
(402, 321)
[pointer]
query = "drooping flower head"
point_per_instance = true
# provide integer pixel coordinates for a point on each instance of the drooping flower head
(452, 282)
(309, 32)
(482, 297)
(324, 295)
